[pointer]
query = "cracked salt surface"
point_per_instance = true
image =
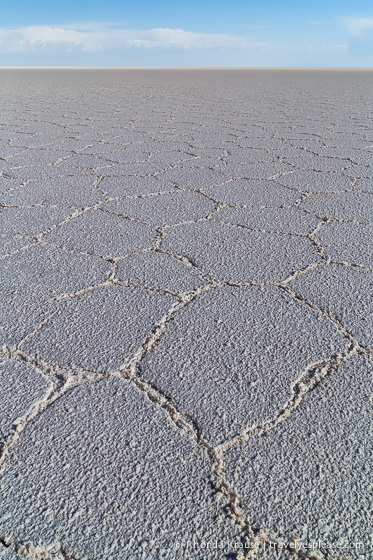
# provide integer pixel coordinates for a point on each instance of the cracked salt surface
(130, 473)
(78, 192)
(21, 384)
(348, 243)
(100, 233)
(175, 208)
(160, 271)
(320, 442)
(285, 220)
(234, 254)
(101, 329)
(253, 192)
(234, 345)
(186, 318)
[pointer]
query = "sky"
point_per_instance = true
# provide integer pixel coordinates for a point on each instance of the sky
(193, 33)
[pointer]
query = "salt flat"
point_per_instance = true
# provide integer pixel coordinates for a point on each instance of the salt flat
(186, 309)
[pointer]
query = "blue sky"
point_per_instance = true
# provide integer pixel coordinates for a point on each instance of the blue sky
(193, 33)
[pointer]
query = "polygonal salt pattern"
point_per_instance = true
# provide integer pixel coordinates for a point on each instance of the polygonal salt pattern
(185, 313)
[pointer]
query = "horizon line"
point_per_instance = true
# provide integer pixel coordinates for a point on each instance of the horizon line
(186, 67)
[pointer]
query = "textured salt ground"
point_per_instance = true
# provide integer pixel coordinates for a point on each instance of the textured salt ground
(287, 220)
(101, 233)
(354, 206)
(31, 220)
(10, 245)
(175, 208)
(7, 554)
(186, 315)
(217, 352)
(21, 385)
(322, 439)
(228, 253)
(348, 243)
(78, 192)
(345, 292)
(159, 271)
(254, 192)
(129, 474)
(101, 329)
(133, 186)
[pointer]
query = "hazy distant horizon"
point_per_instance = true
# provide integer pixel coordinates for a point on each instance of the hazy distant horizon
(356, 68)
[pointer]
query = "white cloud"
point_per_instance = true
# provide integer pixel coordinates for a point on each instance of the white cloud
(327, 48)
(96, 37)
(357, 25)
